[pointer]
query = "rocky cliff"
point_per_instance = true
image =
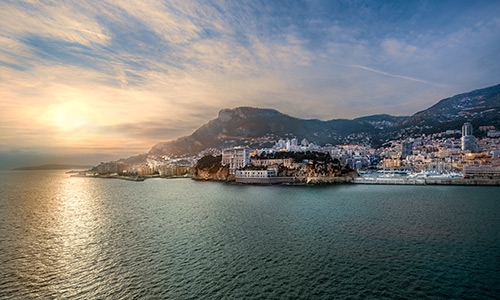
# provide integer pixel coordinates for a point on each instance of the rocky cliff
(221, 174)
(210, 168)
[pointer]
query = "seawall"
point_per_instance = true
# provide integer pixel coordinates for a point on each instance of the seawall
(266, 180)
(295, 180)
(427, 181)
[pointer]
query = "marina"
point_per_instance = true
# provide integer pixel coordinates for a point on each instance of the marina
(423, 178)
(432, 180)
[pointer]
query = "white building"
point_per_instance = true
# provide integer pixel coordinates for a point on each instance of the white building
(481, 171)
(270, 172)
(468, 140)
(493, 133)
(287, 162)
(235, 158)
(467, 129)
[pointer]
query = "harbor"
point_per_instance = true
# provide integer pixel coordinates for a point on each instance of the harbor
(406, 180)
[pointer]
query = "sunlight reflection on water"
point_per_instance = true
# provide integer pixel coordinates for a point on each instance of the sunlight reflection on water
(76, 231)
(82, 238)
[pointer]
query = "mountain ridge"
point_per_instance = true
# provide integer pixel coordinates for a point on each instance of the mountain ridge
(253, 126)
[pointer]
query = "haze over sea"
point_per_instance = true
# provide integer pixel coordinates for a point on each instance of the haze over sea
(87, 238)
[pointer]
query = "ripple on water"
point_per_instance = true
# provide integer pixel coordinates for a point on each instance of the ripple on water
(81, 238)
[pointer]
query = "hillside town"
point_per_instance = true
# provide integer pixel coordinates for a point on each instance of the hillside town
(450, 154)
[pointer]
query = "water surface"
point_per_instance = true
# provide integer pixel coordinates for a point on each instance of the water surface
(84, 238)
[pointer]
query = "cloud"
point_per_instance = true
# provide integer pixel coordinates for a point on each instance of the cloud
(68, 22)
(392, 75)
(399, 49)
(171, 21)
(111, 74)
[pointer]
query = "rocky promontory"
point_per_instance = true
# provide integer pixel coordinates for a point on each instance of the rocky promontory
(210, 168)
(302, 168)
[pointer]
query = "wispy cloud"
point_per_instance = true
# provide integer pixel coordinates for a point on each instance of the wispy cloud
(68, 22)
(393, 75)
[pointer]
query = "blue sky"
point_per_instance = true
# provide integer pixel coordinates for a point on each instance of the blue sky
(107, 79)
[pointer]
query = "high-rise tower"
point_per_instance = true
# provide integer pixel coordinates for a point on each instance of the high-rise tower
(468, 140)
(466, 129)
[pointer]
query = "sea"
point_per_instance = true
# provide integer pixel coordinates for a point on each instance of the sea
(65, 237)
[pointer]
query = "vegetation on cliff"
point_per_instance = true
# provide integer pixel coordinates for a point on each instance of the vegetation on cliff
(210, 167)
(299, 156)
(210, 162)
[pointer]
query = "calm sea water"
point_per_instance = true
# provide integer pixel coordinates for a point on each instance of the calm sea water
(84, 238)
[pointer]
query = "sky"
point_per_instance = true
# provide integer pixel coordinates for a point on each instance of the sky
(91, 81)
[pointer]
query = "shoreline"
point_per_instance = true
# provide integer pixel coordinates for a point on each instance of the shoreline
(427, 181)
(292, 181)
(128, 178)
(370, 180)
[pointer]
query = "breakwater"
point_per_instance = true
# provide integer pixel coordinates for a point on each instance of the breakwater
(316, 180)
(372, 180)
(128, 178)
(426, 181)
(266, 180)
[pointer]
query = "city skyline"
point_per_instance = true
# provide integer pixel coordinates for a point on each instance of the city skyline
(93, 82)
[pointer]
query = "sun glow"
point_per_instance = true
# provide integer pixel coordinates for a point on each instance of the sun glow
(69, 115)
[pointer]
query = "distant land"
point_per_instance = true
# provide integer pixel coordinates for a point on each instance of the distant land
(258, 127)
(53, 167)
(431, 141)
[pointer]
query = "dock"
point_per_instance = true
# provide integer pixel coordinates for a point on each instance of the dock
(427, 181)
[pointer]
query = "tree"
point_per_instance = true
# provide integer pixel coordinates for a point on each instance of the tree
(209, 162)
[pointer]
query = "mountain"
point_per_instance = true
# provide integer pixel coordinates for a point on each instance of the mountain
(261, 127)
(258, 127)
(480, 107)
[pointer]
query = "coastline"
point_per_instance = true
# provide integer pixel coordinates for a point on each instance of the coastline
(327, 180)
(427, 181)
(370, 180)
(128, 178)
